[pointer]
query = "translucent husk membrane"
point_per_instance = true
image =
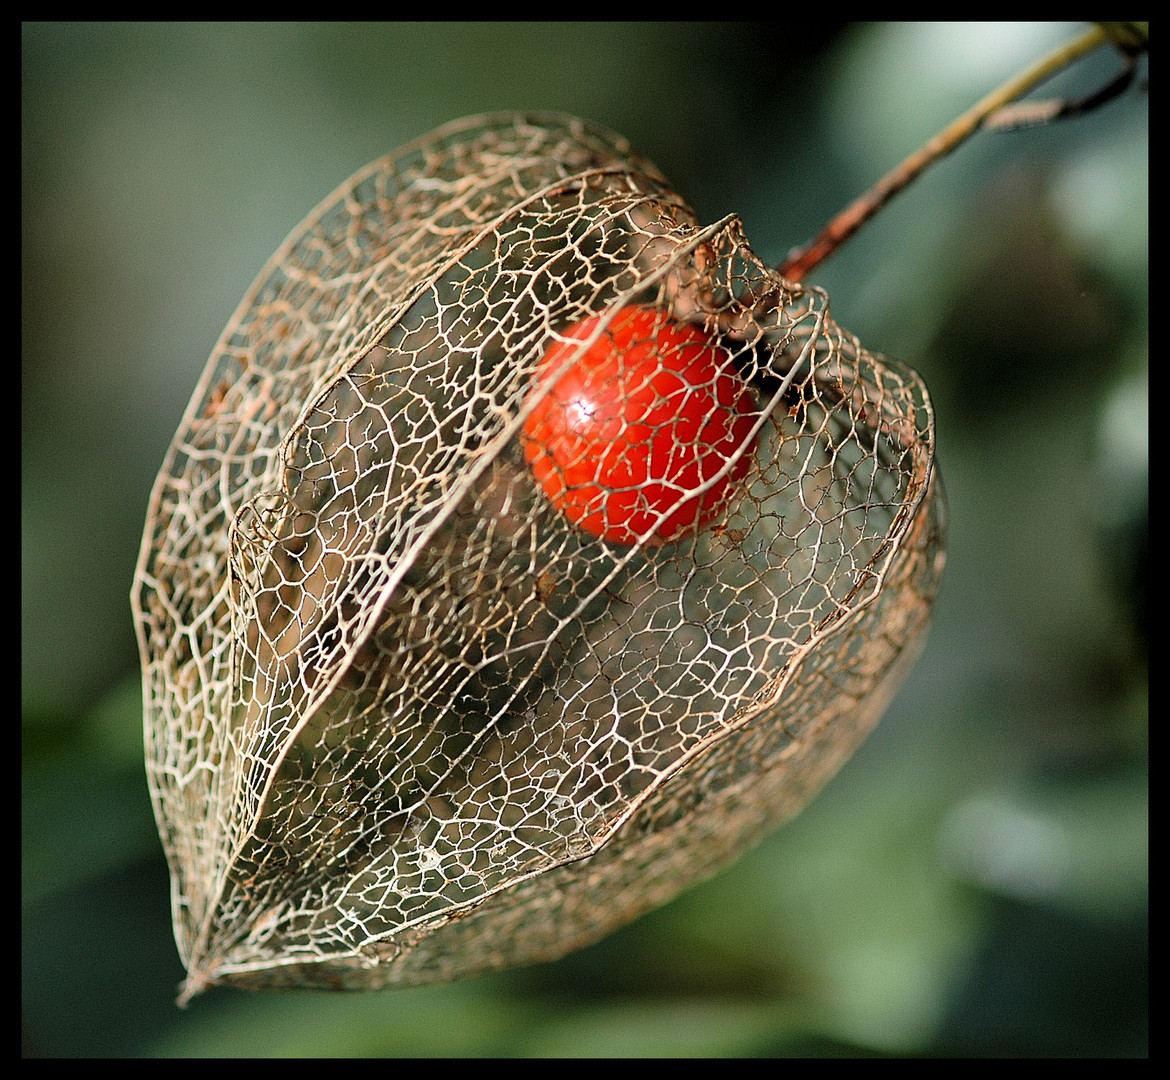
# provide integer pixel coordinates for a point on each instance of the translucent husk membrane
(404, 722)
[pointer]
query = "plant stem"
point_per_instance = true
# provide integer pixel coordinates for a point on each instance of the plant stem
(803, 260)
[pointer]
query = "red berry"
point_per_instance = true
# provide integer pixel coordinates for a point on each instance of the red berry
(647, 414)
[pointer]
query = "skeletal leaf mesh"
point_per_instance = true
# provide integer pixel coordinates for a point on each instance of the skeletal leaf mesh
(404, 721)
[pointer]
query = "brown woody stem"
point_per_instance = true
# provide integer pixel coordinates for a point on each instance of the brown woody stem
(801, 261)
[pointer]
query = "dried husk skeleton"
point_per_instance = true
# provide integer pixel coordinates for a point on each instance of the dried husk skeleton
(404, 722)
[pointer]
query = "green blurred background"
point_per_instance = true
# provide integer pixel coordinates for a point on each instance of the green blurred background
(974, 881)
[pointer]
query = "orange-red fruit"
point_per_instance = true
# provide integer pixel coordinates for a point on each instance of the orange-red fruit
(644, 417)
